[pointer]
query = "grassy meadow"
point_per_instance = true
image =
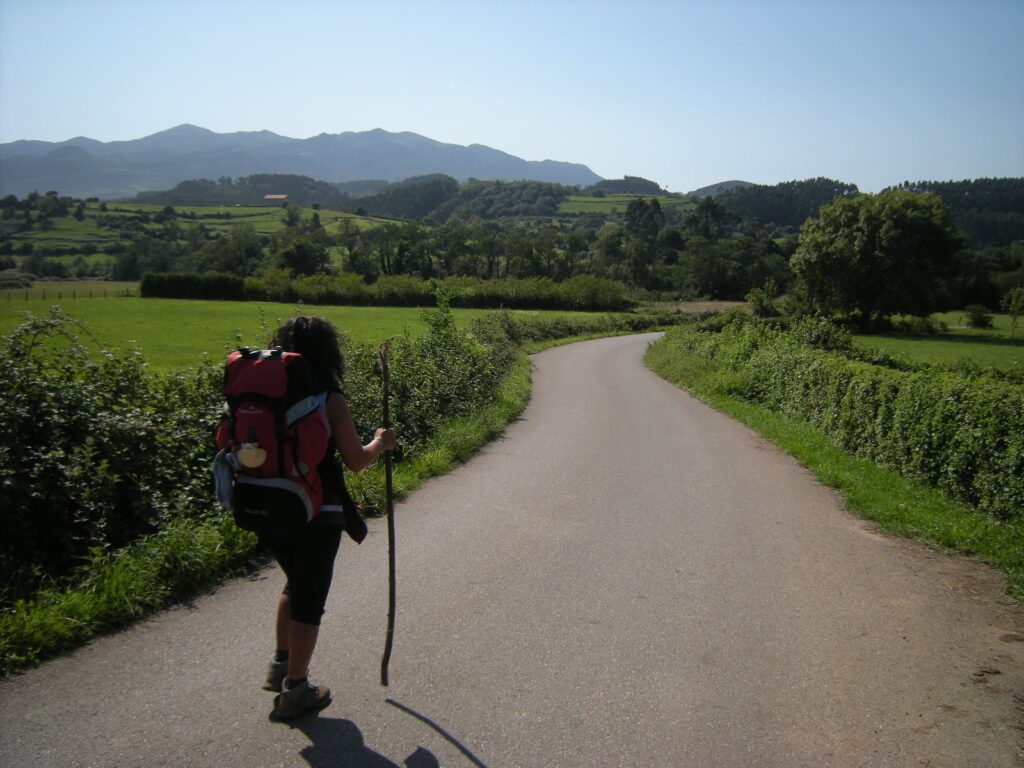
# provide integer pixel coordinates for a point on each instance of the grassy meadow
(67, 233)
(997, 347)
(617, 203)
(175, 334)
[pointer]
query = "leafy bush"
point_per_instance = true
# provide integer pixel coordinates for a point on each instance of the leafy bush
(978, 316)
(822, 333)
(96, 454)
(587, 292)
(761, 304)
(917, 326)
(11, 278)
(93, 452)
(327, 289)
(544, 328)
(400, 291)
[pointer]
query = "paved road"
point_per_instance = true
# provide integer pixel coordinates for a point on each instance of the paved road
(628, 578)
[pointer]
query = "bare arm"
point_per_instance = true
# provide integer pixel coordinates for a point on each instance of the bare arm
(356, 456)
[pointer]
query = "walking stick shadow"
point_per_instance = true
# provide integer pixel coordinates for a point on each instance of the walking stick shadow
(338, 743)
(473, 759)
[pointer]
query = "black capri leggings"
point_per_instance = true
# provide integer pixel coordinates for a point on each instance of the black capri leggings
(308, 563)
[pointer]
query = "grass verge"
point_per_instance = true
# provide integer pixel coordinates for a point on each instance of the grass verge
(900, 506)
(190, 555)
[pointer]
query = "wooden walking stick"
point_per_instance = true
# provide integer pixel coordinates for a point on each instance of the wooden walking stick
(389, 496)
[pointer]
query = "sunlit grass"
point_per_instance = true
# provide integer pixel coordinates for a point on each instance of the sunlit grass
(175, 334)
(994, 348)
(618, 203)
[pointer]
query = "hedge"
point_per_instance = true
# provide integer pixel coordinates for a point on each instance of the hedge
(95, 453)
(963, 434)
(583, 292)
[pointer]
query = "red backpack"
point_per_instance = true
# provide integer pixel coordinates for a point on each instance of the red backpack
(272, 437)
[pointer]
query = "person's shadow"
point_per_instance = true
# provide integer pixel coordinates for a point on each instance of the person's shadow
(338, 743)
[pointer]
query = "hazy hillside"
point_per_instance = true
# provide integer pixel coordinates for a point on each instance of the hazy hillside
(627, 185)
(249, 190)
(788, 204)
(84, 167)
(720, 187)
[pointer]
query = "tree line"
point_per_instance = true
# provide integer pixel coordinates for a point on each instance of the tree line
(788, 204)
(990, 211)
(710, 251)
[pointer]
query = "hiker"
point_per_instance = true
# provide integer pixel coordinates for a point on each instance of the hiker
(308, 562)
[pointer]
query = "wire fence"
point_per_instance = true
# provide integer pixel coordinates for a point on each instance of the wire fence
(60, 294)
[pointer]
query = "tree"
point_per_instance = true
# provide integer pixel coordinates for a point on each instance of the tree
(644, 219)
(606, 251)
(292, 216)
(877, 255)
(710, 219)
(1013, 303)
(239, 253)
(359, 260)
(304, 255)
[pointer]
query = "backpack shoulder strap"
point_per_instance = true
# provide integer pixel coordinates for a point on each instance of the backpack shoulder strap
(305, 406)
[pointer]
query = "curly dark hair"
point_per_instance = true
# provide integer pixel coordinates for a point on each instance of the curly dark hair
(317, 340)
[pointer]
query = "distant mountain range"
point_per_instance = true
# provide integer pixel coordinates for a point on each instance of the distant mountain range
(83, 167)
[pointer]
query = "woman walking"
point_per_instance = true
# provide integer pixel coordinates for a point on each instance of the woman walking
(308, 561)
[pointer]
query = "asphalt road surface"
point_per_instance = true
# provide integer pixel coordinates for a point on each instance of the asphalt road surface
(627, 578)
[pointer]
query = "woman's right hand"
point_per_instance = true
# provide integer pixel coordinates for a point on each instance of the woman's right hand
(386, 435)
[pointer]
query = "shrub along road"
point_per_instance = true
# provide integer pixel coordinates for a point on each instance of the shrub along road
(626, 578)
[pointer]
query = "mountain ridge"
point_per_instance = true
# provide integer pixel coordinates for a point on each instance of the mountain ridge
(119, 169)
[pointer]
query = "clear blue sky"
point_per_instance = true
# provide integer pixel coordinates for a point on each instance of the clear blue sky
(685, 93)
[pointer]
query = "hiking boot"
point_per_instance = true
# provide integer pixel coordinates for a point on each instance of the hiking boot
(304, 697)
(277, 671)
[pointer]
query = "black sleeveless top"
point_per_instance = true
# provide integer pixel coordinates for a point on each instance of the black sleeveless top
(337, 508)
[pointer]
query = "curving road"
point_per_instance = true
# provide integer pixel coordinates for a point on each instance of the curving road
(627, 578)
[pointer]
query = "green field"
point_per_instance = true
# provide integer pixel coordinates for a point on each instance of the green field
(995, 348)
(618, 203)
(175, 334)
(70, 234)
(1001, 324)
